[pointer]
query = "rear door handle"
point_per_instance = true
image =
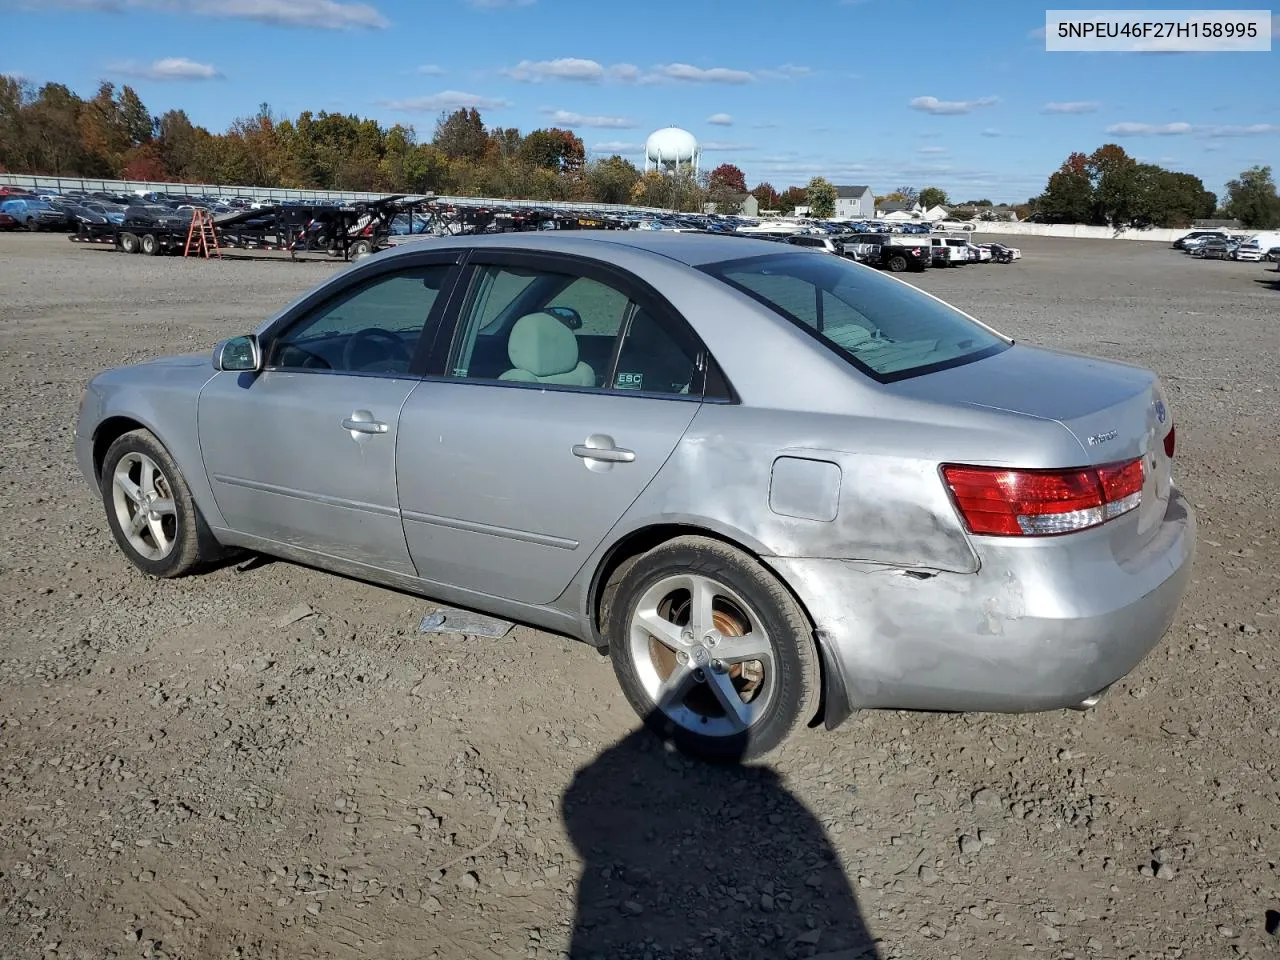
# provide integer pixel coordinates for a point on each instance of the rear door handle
(364, 426)
(608, 454)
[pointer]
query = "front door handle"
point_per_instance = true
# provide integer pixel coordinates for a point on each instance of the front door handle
(605, 452)
(361, 421)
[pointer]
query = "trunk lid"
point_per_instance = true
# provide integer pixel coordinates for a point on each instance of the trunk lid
(1115, 411)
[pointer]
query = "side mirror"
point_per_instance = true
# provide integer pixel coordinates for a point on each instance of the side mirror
(566, 315)
(238, 354)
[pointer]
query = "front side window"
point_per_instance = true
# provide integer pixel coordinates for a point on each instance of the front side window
(886, 328)
(371, 327)
(546, 327)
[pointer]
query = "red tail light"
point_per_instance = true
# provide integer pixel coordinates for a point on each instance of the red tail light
(995, 501)
(1170, 441)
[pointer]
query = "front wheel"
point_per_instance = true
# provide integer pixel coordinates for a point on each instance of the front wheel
(150, 510)
(710, 649)
(130, 243)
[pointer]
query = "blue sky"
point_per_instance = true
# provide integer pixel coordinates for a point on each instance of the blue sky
(885, 92)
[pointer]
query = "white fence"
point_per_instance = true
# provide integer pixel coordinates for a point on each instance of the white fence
(1078, 230)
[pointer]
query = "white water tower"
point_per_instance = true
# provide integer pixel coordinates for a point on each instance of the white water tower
(672, 150)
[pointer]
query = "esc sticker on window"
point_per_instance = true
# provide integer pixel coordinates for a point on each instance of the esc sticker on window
(629, 381)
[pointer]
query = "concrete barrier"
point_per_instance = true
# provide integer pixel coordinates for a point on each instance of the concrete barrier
(1079, 231)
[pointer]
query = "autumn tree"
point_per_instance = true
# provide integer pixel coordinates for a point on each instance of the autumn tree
(461, 135)
(933, 197)
(822, 198)
(909, 195)
(728, 177)
(791, 198)
(612, 179)
(766, 196)
(1252, 199)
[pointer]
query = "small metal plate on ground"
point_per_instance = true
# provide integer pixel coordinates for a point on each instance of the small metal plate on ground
(449, 620)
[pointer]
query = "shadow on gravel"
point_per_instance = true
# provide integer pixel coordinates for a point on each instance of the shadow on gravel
(685, 859)
(1268, 282)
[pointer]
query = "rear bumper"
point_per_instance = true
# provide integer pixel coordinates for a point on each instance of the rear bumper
(1035, 629)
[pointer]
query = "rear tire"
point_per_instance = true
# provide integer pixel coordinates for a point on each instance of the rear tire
(360, 248)
(897, 263)
(725, 679)
(130, 243)
(150, 245)
(149, 507)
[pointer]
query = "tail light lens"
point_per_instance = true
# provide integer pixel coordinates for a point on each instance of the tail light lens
(1170, 441)
(995, 501)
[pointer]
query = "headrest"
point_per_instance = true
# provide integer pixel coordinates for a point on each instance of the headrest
(542, 345)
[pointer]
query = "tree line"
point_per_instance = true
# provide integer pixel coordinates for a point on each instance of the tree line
(1110, 188)
(112, 135)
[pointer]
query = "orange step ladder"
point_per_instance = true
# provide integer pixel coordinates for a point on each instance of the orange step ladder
(201, 237)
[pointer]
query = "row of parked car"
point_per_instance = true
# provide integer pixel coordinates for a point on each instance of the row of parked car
(903, 251)
(1224, 245)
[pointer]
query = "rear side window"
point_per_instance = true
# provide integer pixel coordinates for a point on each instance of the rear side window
(884, 327)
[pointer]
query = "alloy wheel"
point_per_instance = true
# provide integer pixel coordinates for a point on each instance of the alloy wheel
(144, 505)
(702, 655)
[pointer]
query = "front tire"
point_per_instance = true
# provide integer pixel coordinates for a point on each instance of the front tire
(149, 508)
(710, 649)
(130, 243)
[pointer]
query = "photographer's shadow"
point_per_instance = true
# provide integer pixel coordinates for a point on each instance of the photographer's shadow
(691, 859)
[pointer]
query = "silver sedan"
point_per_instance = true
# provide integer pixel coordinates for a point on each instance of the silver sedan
(774, 486)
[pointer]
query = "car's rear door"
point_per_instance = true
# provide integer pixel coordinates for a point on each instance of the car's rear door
(303, 453)
(509, 476)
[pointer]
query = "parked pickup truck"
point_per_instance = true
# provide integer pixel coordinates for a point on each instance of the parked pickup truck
(892, 251)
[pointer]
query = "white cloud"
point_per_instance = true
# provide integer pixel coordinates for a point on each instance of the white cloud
(1197, 129)
(1149, 129)
(764, 126)
(1036, 34)
(933, 150)
(166, 69)
(626, 72)
(1071, 106)
(720, 120)
(724, 146)
(431, 70)
(950, 107)
(616, 146)
(687, 73)
(1249, 130)
(445, 100)
(564, 68)
(321, 14)
(570, 119)
(787, 71)
(991, 132)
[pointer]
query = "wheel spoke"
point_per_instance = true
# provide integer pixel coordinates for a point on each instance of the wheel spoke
(702, 594)
(722, 686)
(164, 507)
(753, 646)
(672, 691)
(664, 631)
(158, 535)
(129, 488)
(147, 481)
(138, 521)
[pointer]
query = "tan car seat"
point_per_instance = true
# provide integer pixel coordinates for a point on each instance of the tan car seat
(543, 350)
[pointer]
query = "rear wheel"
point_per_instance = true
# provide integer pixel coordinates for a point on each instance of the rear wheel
(150, 245)
(150, 510)
(897, 263)
(360, 248)
(711, 651)
(129, 242)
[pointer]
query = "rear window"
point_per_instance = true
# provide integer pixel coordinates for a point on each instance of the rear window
(884, 327)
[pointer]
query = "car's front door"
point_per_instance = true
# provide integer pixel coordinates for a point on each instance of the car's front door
(563, 392)
(303, 453)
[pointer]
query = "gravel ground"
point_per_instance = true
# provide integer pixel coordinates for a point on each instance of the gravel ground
(205, 769)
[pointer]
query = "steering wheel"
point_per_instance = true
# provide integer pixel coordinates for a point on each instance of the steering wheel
(361, 337)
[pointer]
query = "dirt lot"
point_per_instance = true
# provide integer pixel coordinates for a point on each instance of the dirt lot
(183, 774)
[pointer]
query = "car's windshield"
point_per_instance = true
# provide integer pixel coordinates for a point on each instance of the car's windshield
(883, 326)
